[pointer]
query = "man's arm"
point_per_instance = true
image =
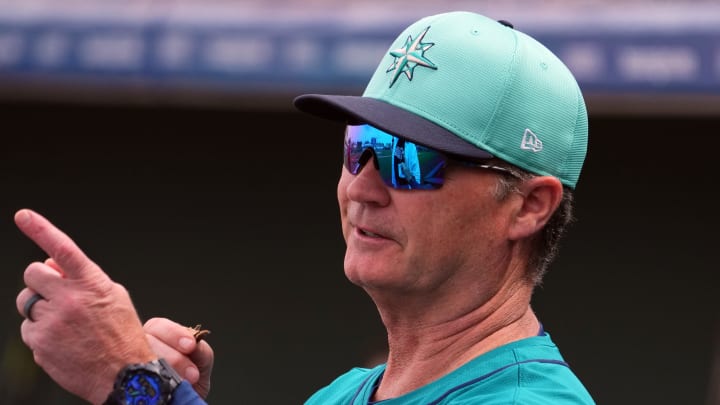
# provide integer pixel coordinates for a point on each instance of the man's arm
(85, 330)
(185, 395)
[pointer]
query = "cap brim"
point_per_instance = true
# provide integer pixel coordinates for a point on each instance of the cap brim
(365, 110)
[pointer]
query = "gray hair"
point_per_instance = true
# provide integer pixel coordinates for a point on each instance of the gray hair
(545, 244)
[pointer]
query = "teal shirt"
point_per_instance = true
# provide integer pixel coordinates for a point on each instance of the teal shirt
(526, 372)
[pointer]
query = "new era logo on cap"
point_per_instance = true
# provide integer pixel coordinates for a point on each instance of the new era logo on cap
(530, 141)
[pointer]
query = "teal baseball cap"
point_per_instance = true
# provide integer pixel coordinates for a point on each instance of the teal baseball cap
(469, 85)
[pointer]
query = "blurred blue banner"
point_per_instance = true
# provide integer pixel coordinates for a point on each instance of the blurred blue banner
(321, 54)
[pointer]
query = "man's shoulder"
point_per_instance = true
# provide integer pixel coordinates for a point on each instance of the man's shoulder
(526, 372)
(526, 383)
(531, 371)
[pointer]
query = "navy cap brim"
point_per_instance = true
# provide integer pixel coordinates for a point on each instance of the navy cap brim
(356, 110)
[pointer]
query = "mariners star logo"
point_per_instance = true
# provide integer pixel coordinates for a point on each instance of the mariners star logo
(410, 56)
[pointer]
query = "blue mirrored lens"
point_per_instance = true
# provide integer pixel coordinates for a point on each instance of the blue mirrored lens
(402, 164)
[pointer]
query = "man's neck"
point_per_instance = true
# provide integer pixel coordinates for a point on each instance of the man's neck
(421, 351)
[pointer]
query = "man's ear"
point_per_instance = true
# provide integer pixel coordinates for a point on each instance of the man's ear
(540, 198)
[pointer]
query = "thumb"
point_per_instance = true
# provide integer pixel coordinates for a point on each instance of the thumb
(51, 263)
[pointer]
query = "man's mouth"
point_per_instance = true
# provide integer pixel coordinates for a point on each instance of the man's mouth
(369, 234)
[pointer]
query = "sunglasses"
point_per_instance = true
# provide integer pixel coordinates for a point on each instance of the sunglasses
(402, 164)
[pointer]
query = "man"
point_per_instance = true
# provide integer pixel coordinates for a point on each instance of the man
(406, 165)
(450, 262)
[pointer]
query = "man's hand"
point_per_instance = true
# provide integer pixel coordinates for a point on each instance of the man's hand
(86, 328)
(176, 344)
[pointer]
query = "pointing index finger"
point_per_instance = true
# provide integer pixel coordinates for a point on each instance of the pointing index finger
(54, 242)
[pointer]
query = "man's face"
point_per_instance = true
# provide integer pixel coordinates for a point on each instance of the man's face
(420, 242)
